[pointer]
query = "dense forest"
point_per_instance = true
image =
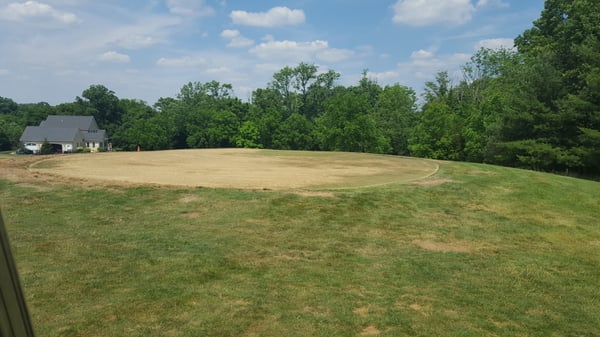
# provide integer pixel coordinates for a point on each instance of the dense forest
(536, 106)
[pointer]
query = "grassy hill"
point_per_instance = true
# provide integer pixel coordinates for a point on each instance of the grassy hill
(473, 250)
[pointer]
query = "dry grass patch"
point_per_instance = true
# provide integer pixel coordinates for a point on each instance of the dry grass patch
(445, 247)
(186, 199)
(422, 309)
(362, 311)
(370, 330)
(323, 194)
(240, 168)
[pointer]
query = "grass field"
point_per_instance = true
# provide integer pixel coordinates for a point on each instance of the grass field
(472, 250)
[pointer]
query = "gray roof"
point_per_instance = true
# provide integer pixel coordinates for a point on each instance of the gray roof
(59, 128)
(94, 136)
(37, 134)
(79, 122)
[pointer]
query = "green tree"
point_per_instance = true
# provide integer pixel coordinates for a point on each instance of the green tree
(294, 133)
(283, 82)
(396, 116)
(248, 136)
(34, 113)
(436, 135)
(8, 106)
(318, 93)
(305, 75)
(439, 133)
(141, 124)
(561, 81)
(10, 132)
(203, 115)
(103, 104)
(213, 129)
(348, 125)
(303, 90)
(266, 113)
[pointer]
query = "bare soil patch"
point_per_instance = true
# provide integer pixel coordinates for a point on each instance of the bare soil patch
(234, 168)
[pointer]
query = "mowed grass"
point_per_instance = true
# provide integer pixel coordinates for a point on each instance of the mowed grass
(474, 250)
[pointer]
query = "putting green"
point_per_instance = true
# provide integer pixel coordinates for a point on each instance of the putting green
(240, 168)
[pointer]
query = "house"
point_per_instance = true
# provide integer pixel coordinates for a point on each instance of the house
(66, 134)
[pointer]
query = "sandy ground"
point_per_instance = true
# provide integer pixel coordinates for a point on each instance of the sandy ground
(227, 168)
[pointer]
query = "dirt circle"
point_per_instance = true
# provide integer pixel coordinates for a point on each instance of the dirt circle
(240, 168)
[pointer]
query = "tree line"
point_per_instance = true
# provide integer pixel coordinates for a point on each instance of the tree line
(536, 106)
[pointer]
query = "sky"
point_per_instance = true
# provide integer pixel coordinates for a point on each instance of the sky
(52, 50)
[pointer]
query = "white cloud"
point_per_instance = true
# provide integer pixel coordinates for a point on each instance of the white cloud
(230, 33)
(138, 32)
(219, 71)
(334, 55)
(492, 3)
(429, 12)
(114, 57)
(422, 66)
(268, 38)
(436, 63)
(237, 40)
(421, 54)
(185, 61)
(495, 44)
(240, 42)
(189, 8)
(384, 77)
(137, 41)
(289, 51)
(4, 72)
(274, 17)
(37, 13)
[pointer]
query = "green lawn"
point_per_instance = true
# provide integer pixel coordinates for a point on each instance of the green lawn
(474, 250)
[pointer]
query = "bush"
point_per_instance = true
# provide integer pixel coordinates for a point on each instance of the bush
(46, 148)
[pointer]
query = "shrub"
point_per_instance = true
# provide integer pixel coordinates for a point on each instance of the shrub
(46, 148)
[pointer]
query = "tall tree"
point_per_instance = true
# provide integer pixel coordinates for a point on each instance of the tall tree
(8, 106)
(103, 104)
(396, 115)
(319, 92)
(562, 49)
(305, 76)
(283, 82)
(439, 133)
(205, 115)
(266, 113)
(348, 124)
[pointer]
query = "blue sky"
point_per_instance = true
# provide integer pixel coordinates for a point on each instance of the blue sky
(52, 50)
